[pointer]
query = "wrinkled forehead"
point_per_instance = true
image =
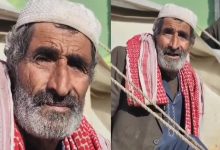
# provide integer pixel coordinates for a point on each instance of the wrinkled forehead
(63, 39)
(176, 24)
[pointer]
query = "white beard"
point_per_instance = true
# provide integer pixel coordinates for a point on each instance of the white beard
(45, 123)
(169, 64)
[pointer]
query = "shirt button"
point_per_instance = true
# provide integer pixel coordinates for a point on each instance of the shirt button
(156, 141)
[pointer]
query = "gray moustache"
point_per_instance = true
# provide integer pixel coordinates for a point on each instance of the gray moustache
(53, 99)
(173, 52)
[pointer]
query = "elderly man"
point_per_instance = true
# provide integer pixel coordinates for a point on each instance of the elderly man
(51, 55)
(158, 65)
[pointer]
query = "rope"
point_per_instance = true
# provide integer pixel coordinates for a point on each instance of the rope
(159, 109)
(104, 47)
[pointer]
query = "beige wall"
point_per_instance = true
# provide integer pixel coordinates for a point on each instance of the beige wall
(2, 55)
(121, 31)
(97, 119)
(210, 128)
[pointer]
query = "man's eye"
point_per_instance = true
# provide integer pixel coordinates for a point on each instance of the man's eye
(79, 66)
(167, 31)
(183, 35)
(43, 58)
(46, 57)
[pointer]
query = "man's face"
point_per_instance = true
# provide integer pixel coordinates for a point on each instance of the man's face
(52, 82)
(173, 44)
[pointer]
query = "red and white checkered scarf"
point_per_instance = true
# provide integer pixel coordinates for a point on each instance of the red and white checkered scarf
(143, 71)
(84, 138)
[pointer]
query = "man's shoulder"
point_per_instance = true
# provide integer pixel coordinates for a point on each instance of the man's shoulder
(118, 50)
(118, 56)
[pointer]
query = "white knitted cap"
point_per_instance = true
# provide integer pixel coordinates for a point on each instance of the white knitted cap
(63, 12)
(174, 11)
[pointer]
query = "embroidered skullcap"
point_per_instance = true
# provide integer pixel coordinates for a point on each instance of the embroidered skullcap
(64, 12)
(174, 11)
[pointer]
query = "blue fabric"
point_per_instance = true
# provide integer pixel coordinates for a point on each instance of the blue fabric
(60, 146)
(175, 109)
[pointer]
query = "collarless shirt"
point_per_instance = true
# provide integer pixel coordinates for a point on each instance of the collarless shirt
(175, 109)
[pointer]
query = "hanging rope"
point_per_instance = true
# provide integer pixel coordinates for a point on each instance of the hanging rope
(104, 47)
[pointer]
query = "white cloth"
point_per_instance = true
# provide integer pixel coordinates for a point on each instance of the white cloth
(6, 111)
(64, 12)
(174, 11)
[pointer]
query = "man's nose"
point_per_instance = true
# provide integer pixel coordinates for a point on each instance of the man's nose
(60, 79)
(174, 42)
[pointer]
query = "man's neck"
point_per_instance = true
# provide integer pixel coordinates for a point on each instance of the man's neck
(35, 143)
(169, 75)
(171, 78)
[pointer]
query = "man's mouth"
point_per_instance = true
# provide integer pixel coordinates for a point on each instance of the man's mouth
(172, 55)
(56, 104)
(57, 107)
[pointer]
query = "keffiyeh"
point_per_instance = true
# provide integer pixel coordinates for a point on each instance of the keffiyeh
(84, 138)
